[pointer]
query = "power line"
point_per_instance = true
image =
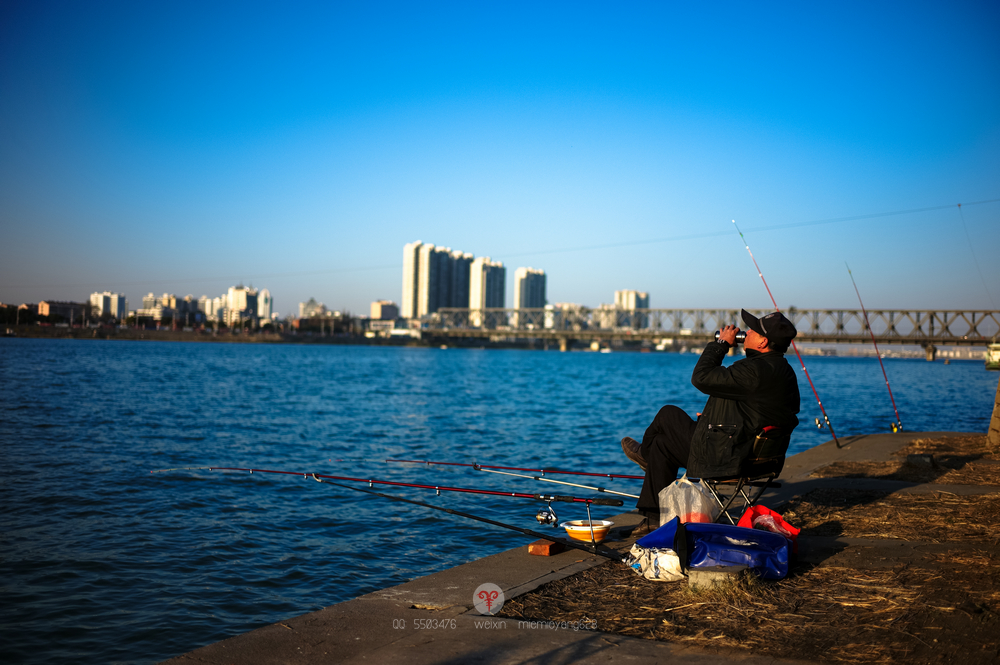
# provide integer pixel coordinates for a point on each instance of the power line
(773, 227)
(564, 250)
(974, 259)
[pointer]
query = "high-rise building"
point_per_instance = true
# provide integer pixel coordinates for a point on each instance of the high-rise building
(219, 308)
(630, 299)
(434, 277)
(411, 278)
(461, 270)
(264, 304)
(428, 278)
(241, 304)
(111, 304)
(487, 283)
(529, 288)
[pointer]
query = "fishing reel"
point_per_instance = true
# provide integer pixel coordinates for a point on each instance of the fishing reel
(819, 425)
(547, 516)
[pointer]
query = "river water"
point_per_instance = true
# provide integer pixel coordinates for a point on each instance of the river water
(103, 561)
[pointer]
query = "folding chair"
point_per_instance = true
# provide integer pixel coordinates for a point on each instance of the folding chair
(737, 493)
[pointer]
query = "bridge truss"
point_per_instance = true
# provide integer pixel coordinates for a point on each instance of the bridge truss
(926, 328)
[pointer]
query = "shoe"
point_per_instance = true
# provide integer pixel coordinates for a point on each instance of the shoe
(631, 449)
(648, 525)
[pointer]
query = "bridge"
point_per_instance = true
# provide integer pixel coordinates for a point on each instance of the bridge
(926, 328)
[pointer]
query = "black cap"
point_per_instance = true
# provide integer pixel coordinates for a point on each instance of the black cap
(774, 326)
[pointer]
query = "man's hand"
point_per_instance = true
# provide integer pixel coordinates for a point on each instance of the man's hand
(728, 334)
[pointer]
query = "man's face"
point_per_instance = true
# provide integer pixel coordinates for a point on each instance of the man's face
(755, 341)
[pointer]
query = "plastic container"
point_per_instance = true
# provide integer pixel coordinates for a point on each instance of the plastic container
(580, 529)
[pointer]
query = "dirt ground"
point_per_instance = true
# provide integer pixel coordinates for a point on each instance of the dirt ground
(954, 460)
(938, 606)
(940, 517)
(906, 613)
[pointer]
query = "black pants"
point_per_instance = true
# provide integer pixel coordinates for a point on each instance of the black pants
(665, 447)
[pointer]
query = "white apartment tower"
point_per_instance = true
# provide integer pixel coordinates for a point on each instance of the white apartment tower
(434, 277)
(411, 279)
(529, 288)
(241, 304)
(264, 304)
(487, 281)
(112, 304)
(629, 299)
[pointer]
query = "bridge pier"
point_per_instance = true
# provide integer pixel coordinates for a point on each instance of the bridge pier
(931, 352)
(564, 344)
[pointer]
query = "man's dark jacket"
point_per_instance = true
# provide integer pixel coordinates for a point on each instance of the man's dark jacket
(752, 393)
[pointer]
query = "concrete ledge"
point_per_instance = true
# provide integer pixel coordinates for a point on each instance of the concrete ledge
(361, 631)
(431, 620)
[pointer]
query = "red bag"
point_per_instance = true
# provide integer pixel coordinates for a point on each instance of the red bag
(762, 517)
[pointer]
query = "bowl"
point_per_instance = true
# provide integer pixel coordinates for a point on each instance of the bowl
(580, 529)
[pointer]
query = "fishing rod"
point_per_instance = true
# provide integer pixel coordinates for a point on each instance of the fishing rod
(541, 478)
(592, 548)
(561, 482)
(545, 516)
(491, 466)
(898, 425)
(439, 488)
(801, 362)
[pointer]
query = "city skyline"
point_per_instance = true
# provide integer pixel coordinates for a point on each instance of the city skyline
(160, 148)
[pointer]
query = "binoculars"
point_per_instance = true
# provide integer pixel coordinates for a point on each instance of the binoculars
(740, 336)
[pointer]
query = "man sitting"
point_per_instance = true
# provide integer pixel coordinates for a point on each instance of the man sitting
(752, 393)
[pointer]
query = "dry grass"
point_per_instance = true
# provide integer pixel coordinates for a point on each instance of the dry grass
(958, 460)
(824, 613)
(970, 444)
(937, 518)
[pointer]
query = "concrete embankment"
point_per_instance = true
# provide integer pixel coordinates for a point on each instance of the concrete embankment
(433, 619)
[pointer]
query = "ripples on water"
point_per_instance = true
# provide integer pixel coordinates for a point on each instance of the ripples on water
(103, 561)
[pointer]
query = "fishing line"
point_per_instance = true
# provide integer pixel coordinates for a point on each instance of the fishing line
(182, 468)
(898, 425)
(801, 362)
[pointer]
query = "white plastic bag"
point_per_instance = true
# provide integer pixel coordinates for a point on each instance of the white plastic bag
(690, 501)
(657, 564)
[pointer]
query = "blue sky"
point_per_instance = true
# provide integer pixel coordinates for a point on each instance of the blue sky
(183, 147)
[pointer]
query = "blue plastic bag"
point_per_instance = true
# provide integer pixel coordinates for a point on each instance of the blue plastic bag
(701, 545)
(763, 552)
